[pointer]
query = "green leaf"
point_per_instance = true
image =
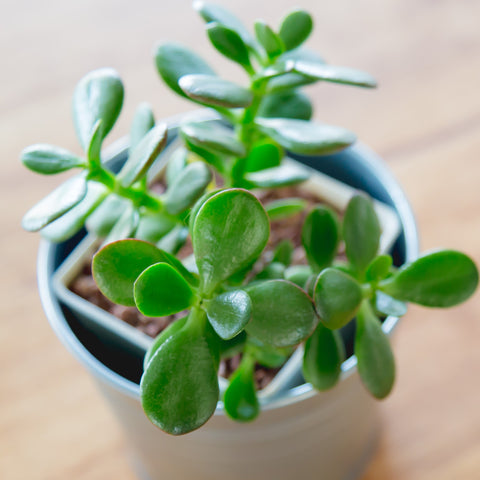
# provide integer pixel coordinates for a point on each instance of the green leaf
(94, 146)
(282, 313)
(361, 232)
(49, 159)
(179, 389)
(229, 312)
(187, 187)
(337, 298)
(302, 54)
(379, 268)
(264, 154)
(125, 226)
(72, 222)
(160, 290)
(143, 155)
(173, 328)
(281, 176)
(213, 90)
(177, 162)
(334, 74)
(288, 81)
(215, 13)
(116, 266)
(269, 40)
(226, 220)
(289, 104)
(98, 96)
(323, 357)
(441, 279)
(285, 208)
(271, 271)
(213, 137)
(153, 226)
(228, 43)
(55, 204)
(295, 28)
(214, 159)
(376, 364)
(174, 240)
(240, 398)
(283, 252)
(320, 237)
(230, 348)
(143, 122)
(102, 220)
(196, 207)
(298, 274)
(389, 306)
(174, 61)
(268, 356)
(308, 138)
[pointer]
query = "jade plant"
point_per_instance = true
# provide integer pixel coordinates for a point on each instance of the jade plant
(240, 295)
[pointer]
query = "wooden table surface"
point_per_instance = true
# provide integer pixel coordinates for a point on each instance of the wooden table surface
(424, 120)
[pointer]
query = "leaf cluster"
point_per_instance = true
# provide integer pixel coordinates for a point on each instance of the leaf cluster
(236, 297)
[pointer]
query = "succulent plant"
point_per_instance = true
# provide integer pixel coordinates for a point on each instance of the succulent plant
(236, 299)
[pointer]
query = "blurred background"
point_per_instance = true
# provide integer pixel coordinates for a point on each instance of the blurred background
(424, 120)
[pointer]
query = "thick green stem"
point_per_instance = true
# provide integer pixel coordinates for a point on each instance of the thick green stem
(140, 198)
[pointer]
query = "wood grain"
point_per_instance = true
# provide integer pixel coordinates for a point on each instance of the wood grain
(424, 120)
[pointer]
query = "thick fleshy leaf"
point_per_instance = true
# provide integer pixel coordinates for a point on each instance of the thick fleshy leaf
(439, 279)
(213, 137)
(298, 274)
(308, 138)
(264, 154)
(125, 226)
(229, 312)
(196, 207)
(282, 313)
(274, 270)
(302, 54)
(281, 176)
(268, 39)
(379, 268)
(55, 204)
(323, 357)
(143, 155)
(73, 221)
(160, 290)
(174, 240)
(174, 61)
(215, 13)
(102, 220)
(226, 220)
(94, 147)
(268, 356)
(338, 297)
(361, 232)
(320, 237)
(334, 74)
(376, 364)
(143, 122)
(187, 187)
(387, 305)
(295, 28)
(288, 81)
(283, 252)
(240, 398)
(117, 265)
(285, 208)
(214, 90)
(290, 104)
(174, 327)
(49, 159)
(176, 163)
(228, 43)
(153, 226)
(98, 96)
(179, 389)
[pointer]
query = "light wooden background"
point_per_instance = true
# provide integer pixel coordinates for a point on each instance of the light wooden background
(424, 120)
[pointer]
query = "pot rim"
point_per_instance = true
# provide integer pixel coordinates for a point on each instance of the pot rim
(372, 162)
